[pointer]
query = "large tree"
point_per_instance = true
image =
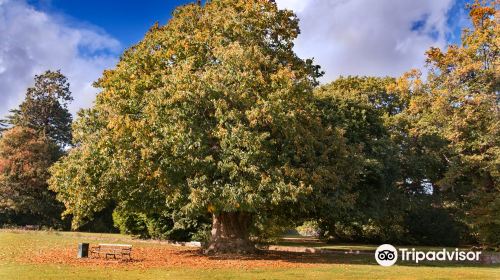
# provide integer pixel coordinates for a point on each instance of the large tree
(40, 130)
(358, 106)
(397, 169)
(25, 157)
(459, 104)
(45, 108)
(211, 113)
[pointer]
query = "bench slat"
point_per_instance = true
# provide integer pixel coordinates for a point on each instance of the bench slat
(114, 250)
(116, 245)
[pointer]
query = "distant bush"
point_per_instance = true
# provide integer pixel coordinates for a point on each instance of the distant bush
(270, 229)
(432, 226)
(202, 234)
(9, 218)
(131, 223)
(309, 228)
(101, 222)
(166, 226)
(421, 224)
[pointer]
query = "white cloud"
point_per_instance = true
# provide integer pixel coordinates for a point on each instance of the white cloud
(367, 37)
(32, 41)
(346, 37)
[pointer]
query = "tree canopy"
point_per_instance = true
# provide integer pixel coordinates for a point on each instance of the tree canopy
(45, 108)
(459, 104)
(211, 113)
(33, 138)
(25, 157)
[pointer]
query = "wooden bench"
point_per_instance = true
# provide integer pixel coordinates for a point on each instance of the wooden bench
(115, 250)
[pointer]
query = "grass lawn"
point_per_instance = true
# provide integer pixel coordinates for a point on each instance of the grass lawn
(299, 241)
(52, 255)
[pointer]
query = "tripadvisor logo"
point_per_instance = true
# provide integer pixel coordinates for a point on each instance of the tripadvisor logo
(387, 255)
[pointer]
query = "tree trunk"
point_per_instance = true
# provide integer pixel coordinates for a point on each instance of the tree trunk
(230, 233)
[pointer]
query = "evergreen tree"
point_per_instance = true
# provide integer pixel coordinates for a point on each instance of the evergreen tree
(45, 108)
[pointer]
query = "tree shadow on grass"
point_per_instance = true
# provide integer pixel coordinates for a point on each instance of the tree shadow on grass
(323, 258)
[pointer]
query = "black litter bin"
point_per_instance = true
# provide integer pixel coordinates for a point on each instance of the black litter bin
(83, 250)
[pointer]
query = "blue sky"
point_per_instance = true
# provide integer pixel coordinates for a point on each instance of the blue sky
(126, 20)
(82, 38)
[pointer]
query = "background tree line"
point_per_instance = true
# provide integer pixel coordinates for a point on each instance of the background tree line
(213, 122)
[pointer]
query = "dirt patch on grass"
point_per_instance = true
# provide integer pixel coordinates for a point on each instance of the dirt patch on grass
(169, 256)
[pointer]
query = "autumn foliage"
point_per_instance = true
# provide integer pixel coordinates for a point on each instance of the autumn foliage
(212, 120)
(25, 158)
